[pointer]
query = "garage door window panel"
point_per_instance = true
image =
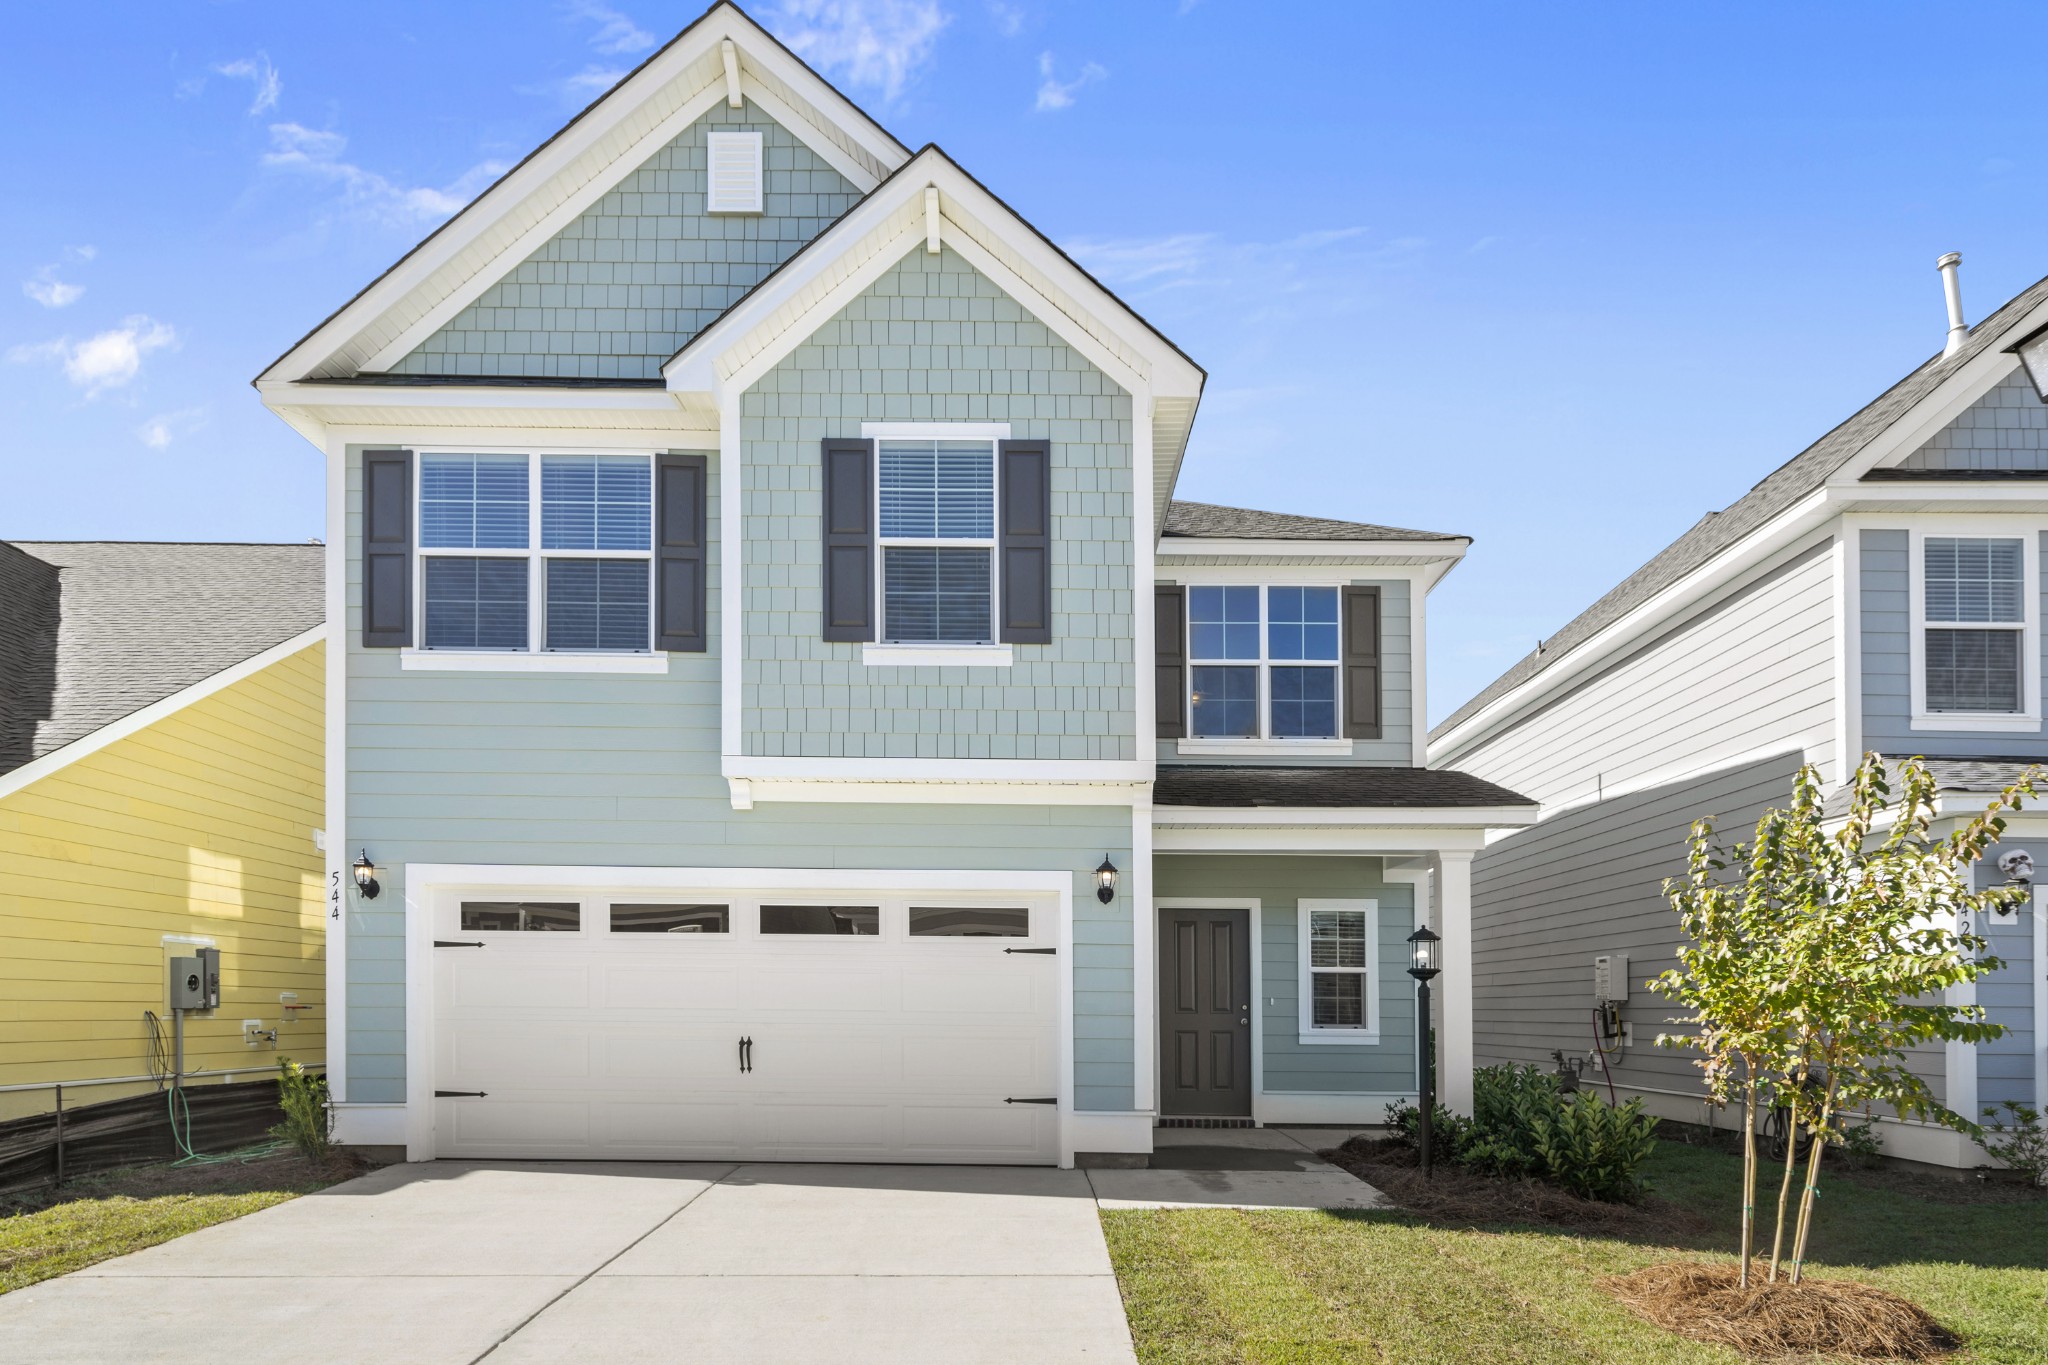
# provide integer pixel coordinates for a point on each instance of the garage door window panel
(670, 919)
(521, 917)
(855, 921)
(970, 922)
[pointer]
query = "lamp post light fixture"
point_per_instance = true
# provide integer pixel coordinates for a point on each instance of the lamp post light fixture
(2032, 350)
(1422, 945)
(1105, 881)
(366, 877)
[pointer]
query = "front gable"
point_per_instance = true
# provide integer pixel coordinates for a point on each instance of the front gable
(642, 271)
(2006, 429)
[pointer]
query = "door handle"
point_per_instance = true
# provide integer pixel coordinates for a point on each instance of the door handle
(746, 1054)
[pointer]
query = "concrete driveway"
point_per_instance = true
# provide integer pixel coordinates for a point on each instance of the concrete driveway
(527, 1262)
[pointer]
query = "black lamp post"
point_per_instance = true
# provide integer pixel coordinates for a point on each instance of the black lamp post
(1422, 966)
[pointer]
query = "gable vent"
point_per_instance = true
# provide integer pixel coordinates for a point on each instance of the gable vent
(733, 173)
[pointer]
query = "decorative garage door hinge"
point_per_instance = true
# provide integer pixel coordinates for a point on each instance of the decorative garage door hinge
(459, 1094)
(454, 943)
(1049, 1099)
(1047, 951)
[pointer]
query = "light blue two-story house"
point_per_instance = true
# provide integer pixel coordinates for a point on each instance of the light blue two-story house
(1880, 592)
(778, 709)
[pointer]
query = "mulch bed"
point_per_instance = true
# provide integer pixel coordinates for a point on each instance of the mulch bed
(1775, 1321)
(1459, 1198)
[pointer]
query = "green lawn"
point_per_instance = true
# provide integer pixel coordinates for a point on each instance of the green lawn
(98, 1217)
(1220, 1285)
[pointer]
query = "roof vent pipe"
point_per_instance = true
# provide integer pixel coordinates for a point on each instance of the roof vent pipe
(1952, 288)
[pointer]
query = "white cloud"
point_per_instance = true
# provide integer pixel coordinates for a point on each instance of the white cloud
(318, 152)
(159, 431)
(1008, 19)
(616, 33)
(874, 43)
(592, 81)
(45, 288)
(1055, 94)
(258, 71)
(106, 361)
(1267, 287)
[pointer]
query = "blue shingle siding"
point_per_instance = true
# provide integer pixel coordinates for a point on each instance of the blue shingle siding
(1885, 583)
(934, 340)
(2005, 1065)
(2005, 429)
(644, 269)
(1280, 884)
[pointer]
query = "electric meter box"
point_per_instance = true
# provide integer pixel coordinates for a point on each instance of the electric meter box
(195, 981)
(1610, 979)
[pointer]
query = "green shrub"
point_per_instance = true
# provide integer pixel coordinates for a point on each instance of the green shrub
(308, 1121)
(1595, 1149)
(2021, 1144)
(1861, 1146)
(1448, 1132)
(1509, 1105)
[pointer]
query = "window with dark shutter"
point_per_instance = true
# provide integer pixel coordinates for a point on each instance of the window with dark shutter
(387, 549)
(848, 521)
(1025, 539)
(679, 553)
(1170, 659)
(1362, 663)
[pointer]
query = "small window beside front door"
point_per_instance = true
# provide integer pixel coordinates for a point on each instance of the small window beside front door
(1339, 971)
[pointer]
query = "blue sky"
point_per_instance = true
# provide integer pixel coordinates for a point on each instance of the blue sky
(1558, 277)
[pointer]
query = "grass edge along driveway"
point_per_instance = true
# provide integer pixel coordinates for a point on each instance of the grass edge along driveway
(1203, 1286)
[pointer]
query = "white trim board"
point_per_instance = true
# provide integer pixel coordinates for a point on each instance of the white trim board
(144, 717)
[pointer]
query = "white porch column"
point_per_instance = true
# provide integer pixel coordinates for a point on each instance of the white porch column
(1454, 985)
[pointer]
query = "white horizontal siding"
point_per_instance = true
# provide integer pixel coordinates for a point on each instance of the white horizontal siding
(1751, 673)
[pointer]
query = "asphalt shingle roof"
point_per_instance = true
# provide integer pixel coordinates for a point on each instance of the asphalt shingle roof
(1790, 482)
(1202, 784)
(1986, 776)
(91, 631)
(1241, 523)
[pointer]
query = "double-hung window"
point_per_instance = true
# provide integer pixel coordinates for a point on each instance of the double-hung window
(936, 512)
(1263, 662)
(569, 571)
(1976, 628)
(1339, 964)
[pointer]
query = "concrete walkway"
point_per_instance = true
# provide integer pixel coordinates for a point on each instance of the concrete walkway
(468, 1261)
(453, 1262)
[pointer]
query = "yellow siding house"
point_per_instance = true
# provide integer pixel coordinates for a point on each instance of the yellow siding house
(161, 760)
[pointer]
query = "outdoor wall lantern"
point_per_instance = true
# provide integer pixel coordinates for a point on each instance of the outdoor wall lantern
(2033, 353)
(366, 877)
(1422, 945)
(1105, 881)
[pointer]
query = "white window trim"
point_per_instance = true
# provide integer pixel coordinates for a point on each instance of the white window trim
(934, 431)
(887, 655)
(535, 658)
(1304, 982)
(1265, 742)
(2028, 718)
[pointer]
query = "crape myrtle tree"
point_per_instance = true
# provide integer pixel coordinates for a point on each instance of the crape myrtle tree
(1819, 954)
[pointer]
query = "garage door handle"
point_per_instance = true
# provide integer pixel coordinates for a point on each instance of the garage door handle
(746, 1055)
(459, 1094)
(1047, 951)
(1049, 1099)
(454, 943)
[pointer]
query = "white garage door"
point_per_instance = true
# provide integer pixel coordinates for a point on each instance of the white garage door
(844, 1027)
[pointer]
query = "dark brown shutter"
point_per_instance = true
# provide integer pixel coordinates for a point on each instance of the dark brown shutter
(1024, 540)
(1362, 663)
(679, 554)
(849, 528)
(387, 549)
(1170, 659)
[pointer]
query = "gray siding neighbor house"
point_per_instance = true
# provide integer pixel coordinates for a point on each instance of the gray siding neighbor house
(746, 536)
(1880, 592)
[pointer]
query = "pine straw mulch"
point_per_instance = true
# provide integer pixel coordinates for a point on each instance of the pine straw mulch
(1775, 1321)
(1455, 1197)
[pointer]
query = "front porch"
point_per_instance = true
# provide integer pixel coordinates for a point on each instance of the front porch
(1283, 899)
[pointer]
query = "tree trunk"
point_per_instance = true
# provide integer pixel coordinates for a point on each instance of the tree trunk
(1794, 1098)
(1812, 1190)
(1748, 1178)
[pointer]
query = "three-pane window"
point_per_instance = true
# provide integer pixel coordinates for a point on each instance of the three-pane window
(1262, 662)
(570, 571)
(1975, 612)
(936, 513)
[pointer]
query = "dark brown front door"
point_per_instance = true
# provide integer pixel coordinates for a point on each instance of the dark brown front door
(1205, 1013)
